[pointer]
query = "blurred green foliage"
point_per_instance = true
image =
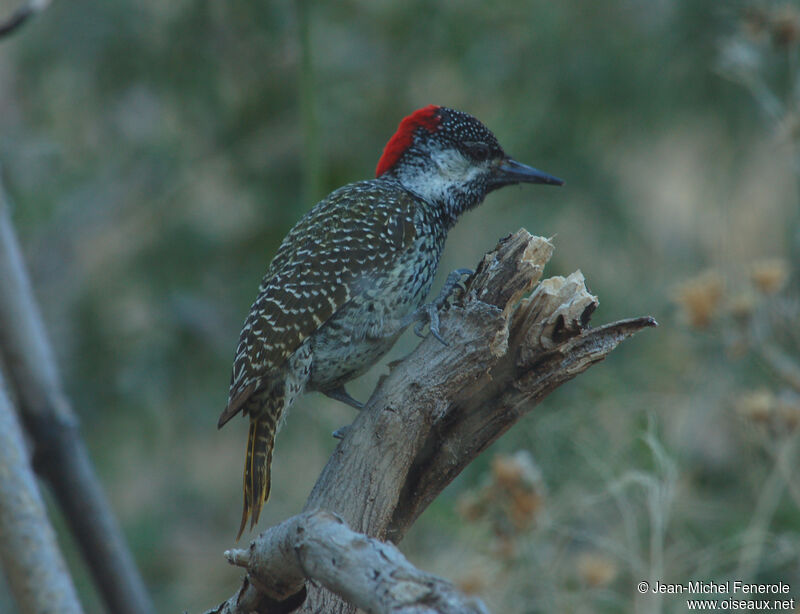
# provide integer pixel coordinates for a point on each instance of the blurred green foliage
(157, 153)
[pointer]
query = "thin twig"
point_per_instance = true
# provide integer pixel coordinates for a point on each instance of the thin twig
(781, 363)
(755, 536)
(21, 15)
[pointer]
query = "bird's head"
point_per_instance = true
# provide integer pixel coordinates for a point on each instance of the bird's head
(452, 160)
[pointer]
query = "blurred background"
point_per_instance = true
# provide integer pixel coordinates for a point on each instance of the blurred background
(157, 152)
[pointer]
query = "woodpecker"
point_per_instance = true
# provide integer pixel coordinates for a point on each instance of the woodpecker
(353, 273)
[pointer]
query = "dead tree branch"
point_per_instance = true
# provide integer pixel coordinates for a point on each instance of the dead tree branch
(370, 574)
(441, 406)
(59, 454)
(32, 561)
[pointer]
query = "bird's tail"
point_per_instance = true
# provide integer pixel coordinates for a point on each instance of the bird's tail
(260, 443)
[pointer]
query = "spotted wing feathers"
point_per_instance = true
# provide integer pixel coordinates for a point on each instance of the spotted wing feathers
(352, 235)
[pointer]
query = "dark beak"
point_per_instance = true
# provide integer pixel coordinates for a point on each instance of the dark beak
(509, 172)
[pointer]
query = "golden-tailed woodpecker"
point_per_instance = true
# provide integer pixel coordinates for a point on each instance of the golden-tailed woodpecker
(353, 273)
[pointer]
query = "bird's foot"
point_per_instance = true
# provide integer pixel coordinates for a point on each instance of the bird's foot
(429, 312)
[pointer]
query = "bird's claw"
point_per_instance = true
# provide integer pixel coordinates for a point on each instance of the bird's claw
(429, 313)
(452, 282)
(431, 318)
(340, 394)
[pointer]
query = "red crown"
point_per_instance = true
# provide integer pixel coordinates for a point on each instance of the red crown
(426, 117)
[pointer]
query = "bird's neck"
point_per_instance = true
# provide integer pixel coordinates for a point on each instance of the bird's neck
(447, 198)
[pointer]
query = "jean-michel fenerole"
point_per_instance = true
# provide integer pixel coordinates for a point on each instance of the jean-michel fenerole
(727, 587)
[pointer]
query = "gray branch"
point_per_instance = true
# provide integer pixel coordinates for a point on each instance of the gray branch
(34, 568)
(442, 406)
(59, 453)
(370, 574)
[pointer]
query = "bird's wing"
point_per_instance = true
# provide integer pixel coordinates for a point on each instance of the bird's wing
(345, 238)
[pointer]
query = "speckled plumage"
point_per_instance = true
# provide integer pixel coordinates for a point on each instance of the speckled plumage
(351, 275)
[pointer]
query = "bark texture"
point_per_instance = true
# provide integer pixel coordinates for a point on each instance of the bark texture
(29, 553)
(366, 572)
(443, 405)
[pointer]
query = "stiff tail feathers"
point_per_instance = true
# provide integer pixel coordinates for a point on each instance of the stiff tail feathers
(260, 442)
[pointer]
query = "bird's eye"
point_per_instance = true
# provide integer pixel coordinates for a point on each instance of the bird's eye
(479, 151)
